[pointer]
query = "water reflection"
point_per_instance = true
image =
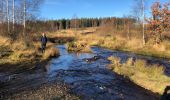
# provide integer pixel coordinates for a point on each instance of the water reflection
(66, 60)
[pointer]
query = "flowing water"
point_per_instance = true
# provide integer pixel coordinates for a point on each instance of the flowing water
(87, 79)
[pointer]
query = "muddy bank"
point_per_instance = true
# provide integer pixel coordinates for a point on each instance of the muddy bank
(28, 81)
(55, 91)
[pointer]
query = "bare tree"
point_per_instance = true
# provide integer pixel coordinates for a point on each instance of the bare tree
(13, 13)
(18, 12)
(1, 11)
(143, 21)
(129, 23)
(24, 16)
(7, 12)
(139, 13)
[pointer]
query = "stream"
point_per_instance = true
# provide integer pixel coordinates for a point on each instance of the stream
(90, 80)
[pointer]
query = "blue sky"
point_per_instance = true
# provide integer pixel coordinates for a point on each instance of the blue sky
(58, 9)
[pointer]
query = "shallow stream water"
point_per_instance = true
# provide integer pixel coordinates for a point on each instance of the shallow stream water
(87, 79)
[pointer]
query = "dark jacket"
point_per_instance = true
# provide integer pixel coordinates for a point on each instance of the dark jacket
(43, 39)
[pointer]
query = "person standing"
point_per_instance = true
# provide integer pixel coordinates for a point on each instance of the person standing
(43, 42)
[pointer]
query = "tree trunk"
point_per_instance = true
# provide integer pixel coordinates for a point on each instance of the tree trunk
(128, 33)
(143, 21)
(7, 12)
(13, 14)
(1, 11)
(24, 17)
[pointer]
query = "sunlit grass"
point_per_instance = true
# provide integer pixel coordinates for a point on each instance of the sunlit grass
(26, 54)
(151, 77)
(4, 41)
(116, 42)
(78, 46)
(51, 52)
(111, 39)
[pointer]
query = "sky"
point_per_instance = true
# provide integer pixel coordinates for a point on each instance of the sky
(58, 9)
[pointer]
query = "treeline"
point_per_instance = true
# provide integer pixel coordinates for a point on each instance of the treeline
(53, 25)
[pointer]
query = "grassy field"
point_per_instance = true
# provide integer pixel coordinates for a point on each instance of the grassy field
(117, 42)
(81, 40)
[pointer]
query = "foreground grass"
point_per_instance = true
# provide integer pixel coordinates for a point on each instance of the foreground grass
(150, 77)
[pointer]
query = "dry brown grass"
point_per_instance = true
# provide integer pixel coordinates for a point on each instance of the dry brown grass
(14, 51)
(19, 45)
(51, 52)
(150, 77)
(20, 50)
(108, 38)
(112, 39)
(4, 41)
(79, 46)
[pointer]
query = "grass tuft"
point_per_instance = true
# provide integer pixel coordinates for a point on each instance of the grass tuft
(23, 55)
(50, 53)
(79, 46)
(151, 77)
